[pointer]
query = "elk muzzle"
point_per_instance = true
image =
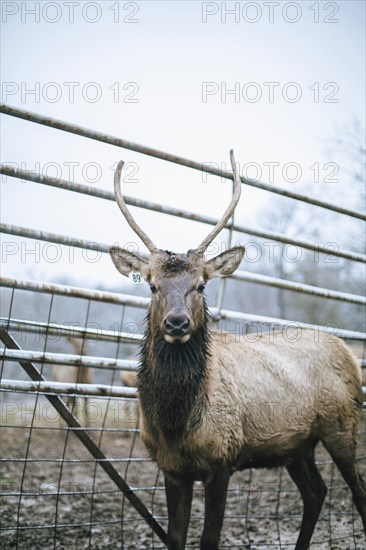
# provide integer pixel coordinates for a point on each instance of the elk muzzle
(177, 328)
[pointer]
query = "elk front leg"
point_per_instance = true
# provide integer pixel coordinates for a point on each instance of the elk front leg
(215, 500)
(179, 500)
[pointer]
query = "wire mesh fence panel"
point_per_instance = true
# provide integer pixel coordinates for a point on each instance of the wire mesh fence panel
(52, 473)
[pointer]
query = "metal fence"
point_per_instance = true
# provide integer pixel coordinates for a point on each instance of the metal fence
(74, 470)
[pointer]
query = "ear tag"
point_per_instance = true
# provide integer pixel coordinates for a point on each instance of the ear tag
(135, 277)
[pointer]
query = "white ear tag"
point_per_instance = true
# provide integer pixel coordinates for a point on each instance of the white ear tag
(135, 277)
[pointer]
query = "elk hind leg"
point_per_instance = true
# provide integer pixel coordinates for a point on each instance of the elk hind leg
(342, 449)
(306, 476)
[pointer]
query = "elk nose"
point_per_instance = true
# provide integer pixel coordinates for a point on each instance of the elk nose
(177, 325)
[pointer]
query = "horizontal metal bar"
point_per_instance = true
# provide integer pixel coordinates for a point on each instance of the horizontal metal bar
(53, 238)
(20, 326)
(140, 302)
(308, 245)
(76, 292)
(69, 359)
(274, 322)
(202, 167)
(65, 388)
(76, 360)
(163, 209)
(298, 287)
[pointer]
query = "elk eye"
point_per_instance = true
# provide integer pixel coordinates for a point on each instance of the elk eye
(153, 288)
(201, 288)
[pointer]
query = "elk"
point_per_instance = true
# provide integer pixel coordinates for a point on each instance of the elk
(204, 395)
(129, 378)
(77, 374)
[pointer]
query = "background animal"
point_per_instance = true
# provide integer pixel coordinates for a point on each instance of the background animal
(128, 377)
(78, 373)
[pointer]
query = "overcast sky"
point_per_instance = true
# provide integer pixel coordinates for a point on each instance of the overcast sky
(274, 80)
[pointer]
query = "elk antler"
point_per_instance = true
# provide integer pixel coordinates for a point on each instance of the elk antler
(229, 211)
(122, 205)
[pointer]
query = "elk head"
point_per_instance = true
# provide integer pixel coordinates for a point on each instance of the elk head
(177, 281)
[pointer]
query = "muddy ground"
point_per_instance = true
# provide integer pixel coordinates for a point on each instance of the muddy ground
(68, 503)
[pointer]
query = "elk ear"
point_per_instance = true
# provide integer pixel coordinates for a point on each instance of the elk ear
(126, 262)
(225, 264)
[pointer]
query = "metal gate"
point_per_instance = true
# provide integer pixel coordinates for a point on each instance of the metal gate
(75, 472)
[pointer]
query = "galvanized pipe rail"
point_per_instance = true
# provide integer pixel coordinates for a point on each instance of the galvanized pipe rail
(257, 278)
(19, 326)
(46, 387)
(125, 144)
(141, 302)
(254, 321)
(53, 238)
(171, 211)
(104, 248)
(274, 323)
(73, 390)
(92, 361)
(76, 292)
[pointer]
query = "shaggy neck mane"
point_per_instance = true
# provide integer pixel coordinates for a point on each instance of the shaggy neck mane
(171, 379)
